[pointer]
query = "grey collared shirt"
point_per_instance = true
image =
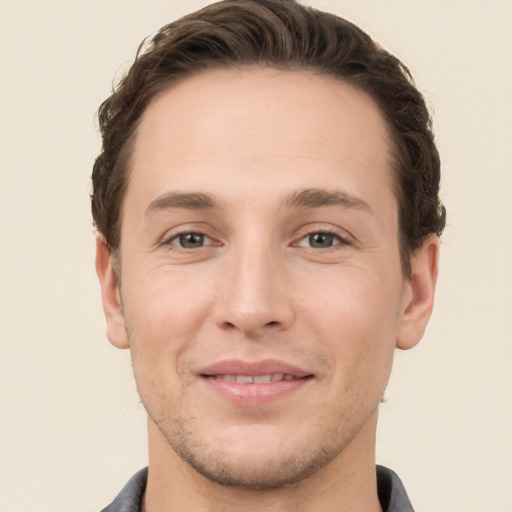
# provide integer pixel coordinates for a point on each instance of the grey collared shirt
(392, 494)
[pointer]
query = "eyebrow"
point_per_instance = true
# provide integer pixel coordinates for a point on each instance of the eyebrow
(188, 201)
(307, 198)
(317, 198)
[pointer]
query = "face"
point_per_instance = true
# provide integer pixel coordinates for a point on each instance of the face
(260, 286)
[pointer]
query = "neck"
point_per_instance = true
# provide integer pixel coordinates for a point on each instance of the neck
(346, 483)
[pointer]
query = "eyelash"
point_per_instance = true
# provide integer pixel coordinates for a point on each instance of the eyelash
(341, 240)
(169, 241)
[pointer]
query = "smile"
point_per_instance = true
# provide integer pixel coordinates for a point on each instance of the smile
(252, 384)
(256, 379)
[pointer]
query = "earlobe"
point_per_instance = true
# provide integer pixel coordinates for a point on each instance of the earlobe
(116, 330)
(419, 295)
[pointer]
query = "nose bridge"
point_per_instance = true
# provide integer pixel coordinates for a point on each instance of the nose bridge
(255, 294)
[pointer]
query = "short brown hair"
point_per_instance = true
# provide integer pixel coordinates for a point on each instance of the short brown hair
(285, 35)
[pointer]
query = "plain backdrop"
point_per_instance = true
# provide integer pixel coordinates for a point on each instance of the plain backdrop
(72, 430)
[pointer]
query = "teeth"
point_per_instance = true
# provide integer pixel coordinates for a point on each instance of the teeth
(255, 379)
(263, 378)
(244, 379)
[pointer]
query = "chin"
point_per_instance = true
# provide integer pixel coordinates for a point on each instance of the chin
(244, 472)
(254, 458)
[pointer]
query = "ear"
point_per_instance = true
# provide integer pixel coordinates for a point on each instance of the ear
(110, 296)
(419, 294)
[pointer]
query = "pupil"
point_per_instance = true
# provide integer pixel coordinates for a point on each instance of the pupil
(320, 240)
(191, 240)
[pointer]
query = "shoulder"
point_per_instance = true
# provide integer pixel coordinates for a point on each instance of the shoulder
(130, 497)
(392, 494)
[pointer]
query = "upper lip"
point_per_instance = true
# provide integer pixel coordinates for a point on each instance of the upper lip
(262, 367)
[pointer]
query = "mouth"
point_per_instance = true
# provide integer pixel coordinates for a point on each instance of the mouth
(250, 384)
(256, 379)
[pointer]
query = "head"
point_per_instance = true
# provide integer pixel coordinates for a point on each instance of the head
(267, 203)
(284, 35)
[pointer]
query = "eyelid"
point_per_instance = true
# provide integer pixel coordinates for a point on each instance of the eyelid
(172, 234)
(179, 235)
(343, 237)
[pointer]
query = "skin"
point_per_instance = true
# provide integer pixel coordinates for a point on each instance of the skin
(309, 278)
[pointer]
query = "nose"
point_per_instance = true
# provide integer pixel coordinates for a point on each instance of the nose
(256, 298)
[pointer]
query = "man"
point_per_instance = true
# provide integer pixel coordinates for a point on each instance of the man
(267, 209)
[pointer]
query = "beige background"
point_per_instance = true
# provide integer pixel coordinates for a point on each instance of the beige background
(71, 427)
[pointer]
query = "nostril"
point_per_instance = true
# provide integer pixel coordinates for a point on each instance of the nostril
(272, 323)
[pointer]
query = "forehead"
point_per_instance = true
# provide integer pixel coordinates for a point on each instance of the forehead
(222, 130)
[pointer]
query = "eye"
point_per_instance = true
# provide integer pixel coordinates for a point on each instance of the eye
(191, 240)
(321, 240)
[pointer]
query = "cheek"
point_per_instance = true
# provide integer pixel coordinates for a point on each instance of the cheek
(164, 316)
(163, 319)
(354, 302)
(165, 306)
(356, 317)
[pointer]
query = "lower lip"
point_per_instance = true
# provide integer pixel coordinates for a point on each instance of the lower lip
(252, 395)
